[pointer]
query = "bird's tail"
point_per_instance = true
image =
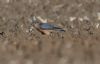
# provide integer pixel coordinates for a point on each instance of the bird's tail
(59, 29)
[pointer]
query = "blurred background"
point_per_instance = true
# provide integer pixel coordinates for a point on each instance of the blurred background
(20, 43)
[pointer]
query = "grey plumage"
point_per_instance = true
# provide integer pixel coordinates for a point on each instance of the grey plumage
(46, 26)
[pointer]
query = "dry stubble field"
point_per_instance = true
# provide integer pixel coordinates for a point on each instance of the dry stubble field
(80, 44)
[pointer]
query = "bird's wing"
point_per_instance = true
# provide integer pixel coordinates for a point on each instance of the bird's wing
(47, 26)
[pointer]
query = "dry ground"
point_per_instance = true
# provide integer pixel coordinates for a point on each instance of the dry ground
(20, 44)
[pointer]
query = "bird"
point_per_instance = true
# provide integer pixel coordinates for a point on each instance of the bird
(48, 26)
(44, 27)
